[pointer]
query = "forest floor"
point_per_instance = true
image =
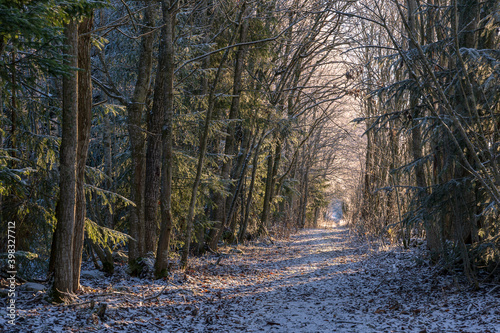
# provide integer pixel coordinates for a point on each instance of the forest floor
(318, 280)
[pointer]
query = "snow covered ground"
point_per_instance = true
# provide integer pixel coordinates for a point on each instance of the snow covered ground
(319, 280)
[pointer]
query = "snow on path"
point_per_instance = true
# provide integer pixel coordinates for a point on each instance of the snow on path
(319, 280)
(323, 281)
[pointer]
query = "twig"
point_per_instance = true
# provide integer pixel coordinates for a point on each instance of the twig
(122, 293)
(491, 290)
(212, 251)
(159, 327)
(157, 295)
(130, 15)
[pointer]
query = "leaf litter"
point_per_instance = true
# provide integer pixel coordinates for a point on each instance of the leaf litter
(317, 280)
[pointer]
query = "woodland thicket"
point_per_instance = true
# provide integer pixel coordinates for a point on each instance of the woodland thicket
(431, 109)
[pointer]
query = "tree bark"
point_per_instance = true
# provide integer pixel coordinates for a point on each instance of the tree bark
(153, 165)
(84, 125)
(272, 171)
(62, 256)
(138, 247)
(166, 69)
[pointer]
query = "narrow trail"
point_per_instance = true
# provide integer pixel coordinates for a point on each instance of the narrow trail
(324, 281)
(319, 280)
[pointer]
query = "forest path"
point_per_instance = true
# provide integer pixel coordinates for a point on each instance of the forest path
(318, 280)
(323, 280)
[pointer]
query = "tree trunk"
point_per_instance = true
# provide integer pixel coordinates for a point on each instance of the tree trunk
(267, 193)
(135, 109)
(276, 166)
(105, 256)
(463, 214)
(153, 170)
(272, 171)
(166, 69)
(62, 256)
(84, 125)
(369, 166)
(244, 225)
(304, 199)
(245, 153)
(316, 217)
